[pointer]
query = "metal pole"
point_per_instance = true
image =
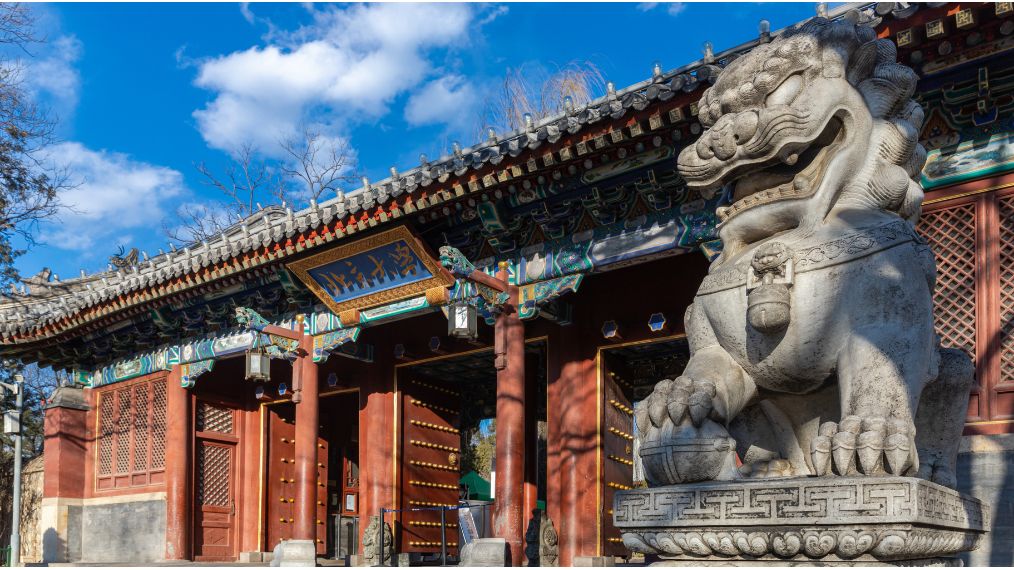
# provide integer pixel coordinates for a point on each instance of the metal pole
(443, 536)
(380, 538)
(19, 381)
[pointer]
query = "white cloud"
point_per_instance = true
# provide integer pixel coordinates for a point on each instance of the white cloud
(671, 8)
(348, 65)
(52, 76)
(493, 14)
(112, 194)
(246, 12)
(450, 100)
(676, 8)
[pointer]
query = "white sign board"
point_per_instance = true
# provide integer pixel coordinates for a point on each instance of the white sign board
(12, 422)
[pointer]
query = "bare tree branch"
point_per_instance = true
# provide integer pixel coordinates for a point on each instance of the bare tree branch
(536, 93)
(315, 166)
(318, 163)
(29, 184)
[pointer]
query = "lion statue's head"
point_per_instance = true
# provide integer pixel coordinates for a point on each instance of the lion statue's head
(821, 118)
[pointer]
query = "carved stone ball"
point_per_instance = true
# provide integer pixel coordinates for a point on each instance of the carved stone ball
(687, 455)
(768, 308)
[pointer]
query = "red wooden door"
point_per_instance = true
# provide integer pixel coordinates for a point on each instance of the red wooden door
(281, 473)
(281, 478)
(617, 467)
(431, 445)
(215, 482)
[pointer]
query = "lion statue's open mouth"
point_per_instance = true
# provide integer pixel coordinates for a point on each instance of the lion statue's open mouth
(779, 118)
(791, 175)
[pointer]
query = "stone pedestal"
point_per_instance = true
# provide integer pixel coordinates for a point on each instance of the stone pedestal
(295, 553)
(828, 520)
(485, 552)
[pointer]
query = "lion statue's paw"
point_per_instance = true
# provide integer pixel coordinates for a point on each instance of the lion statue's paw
(864, 446)
(679, 399)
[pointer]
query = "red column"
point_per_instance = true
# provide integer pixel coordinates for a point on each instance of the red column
(307, 424)
(532, 403)
(65, 431)
(177, 468)
(377, 447)
(573, 416)
(508, 509)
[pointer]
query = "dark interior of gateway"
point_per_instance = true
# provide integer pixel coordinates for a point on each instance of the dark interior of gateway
(635, 368)
(473, 375)
(339, 444)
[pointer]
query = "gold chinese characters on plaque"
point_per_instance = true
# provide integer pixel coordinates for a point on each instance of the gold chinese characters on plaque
(376, 270)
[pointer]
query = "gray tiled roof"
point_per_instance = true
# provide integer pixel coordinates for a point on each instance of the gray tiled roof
(47, 301)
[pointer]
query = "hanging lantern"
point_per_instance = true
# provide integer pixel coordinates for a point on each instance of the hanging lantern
(258, 365)
(461, 320)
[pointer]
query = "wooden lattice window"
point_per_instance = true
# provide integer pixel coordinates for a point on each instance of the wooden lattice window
(951, 234)
(131, 435)
(1006, 205)
(158, 425)
(211, 417)
(972, 235)
(214, 463)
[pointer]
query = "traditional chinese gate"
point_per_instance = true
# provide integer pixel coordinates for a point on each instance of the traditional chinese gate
(215, 482)
(430, 448)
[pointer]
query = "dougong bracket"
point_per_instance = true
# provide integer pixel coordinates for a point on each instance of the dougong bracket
(283, 342)
(491, 289)
(190, 371)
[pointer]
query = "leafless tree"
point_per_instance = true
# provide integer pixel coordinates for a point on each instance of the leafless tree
(315, 165)
(29, 183)
(249, 182)
(319, 164)
(536, 92)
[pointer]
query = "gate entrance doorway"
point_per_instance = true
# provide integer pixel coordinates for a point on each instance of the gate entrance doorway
(628, 373)
(447, 445)
(337, 516)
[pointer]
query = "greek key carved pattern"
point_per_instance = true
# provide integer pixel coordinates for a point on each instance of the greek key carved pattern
(837, 501)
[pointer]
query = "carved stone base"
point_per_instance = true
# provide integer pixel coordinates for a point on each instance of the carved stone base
(845, 520)
(295, 553)
(710, 563)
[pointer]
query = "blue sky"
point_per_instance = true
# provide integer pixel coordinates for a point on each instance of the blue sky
(145, 91)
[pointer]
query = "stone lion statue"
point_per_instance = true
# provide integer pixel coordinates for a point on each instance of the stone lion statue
(812, 344)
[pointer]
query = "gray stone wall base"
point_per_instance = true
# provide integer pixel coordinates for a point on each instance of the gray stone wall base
(808, 520)
(123, 532)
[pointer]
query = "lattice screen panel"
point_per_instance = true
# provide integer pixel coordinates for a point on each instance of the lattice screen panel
(158, 419)
(1007, 289)
(951, 234)
(214, 466)
(123, 421)
(130, 436)
(106, 419)
(213, 418)
(141, 427)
